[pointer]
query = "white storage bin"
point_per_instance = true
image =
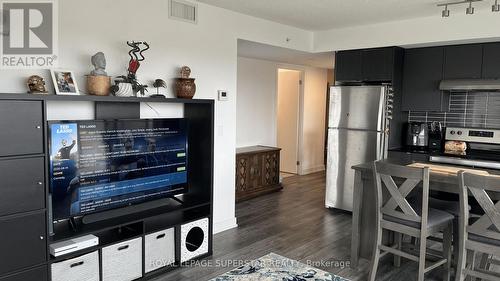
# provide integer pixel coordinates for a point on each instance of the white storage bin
(83, 268)
(159, 250)
(122, 261)
(194, 239)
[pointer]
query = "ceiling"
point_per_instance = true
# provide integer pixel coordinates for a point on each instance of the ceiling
(255, 50)
(318, 15)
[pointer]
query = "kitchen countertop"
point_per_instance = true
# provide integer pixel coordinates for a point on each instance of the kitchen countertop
(367, 167)
(438, 181)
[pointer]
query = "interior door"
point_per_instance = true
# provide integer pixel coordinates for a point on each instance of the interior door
(288, 119)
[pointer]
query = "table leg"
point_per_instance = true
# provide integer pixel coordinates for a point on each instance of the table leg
(356, 218)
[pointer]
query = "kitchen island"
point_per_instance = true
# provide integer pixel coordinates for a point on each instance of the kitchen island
(442, 178)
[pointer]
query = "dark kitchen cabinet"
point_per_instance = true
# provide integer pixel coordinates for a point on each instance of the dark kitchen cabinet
(491, 61)
(22, 241)
(349, 66)
(423, 71)
(369, 65)
(463, 61)
(378, 64)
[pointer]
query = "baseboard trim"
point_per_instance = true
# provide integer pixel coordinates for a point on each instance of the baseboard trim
(311, 170)
(225, 225)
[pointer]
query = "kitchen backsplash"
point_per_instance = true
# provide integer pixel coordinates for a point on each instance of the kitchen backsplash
(476, 109)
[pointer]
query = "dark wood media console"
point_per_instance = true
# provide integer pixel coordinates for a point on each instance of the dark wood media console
(26, 228)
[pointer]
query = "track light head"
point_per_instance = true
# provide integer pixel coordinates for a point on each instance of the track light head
(495, 7)
(470, 9)
(445, 13)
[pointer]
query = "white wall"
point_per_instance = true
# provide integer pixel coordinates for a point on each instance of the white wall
(209, 48)
(256, 103)
(480, 27)
(261, 95)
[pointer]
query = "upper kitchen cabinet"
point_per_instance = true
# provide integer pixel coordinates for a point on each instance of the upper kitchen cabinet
(348, 65)
(369, 65)
(378, 64)
(463, 61)
(491, 61)
(423, 70)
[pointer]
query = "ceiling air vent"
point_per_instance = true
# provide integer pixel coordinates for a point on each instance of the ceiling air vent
(184, 11)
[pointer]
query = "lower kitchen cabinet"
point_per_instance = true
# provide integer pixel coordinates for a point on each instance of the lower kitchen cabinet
(257, 171)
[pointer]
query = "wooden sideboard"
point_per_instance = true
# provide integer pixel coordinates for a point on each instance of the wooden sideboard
(257, 171)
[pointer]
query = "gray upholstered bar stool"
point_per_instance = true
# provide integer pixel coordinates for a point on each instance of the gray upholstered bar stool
(483, 235)
(398, 216)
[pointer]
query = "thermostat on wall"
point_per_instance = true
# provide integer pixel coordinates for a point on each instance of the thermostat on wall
(223, 95)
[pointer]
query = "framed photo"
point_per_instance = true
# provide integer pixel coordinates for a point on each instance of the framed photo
(64, 82)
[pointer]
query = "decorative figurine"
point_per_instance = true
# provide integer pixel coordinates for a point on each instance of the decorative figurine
(185, 88)
(159, 83)
(99, 62)
(36, 85)
(185, 72)
(136, 57)
(98, 82)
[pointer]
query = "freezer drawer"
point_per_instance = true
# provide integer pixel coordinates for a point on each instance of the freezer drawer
(347, 148)
(357, 107)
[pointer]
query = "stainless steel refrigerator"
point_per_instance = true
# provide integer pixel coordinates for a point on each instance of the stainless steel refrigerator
(357, 133)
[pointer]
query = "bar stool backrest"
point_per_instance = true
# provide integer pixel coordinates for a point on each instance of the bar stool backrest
(397, 204)
(488, 225)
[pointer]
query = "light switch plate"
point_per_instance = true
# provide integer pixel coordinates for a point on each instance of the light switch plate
(223, 95)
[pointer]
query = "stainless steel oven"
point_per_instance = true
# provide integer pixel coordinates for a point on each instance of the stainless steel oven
(475, 147)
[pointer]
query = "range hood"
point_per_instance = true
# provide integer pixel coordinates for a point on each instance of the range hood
(470, 85)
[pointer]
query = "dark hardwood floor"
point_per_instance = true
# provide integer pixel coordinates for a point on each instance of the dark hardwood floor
(293, 223)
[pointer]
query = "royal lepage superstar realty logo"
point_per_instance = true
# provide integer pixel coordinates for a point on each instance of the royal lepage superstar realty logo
(29, 34)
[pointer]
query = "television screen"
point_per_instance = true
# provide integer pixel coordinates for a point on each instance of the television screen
(102, 165)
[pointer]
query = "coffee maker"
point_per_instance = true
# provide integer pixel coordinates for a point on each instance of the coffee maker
(417, 136)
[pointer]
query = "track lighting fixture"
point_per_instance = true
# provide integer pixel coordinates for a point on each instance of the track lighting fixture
(469, 10)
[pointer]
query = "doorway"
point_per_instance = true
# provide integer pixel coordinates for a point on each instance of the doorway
(289, 90)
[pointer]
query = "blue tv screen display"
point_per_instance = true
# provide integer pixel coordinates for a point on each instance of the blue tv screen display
(101, 165)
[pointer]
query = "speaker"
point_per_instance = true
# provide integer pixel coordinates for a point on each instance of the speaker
(194, 239)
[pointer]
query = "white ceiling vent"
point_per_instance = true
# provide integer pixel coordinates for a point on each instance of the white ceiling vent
(184, 11)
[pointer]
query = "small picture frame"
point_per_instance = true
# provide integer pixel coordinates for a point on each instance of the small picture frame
(64, 82)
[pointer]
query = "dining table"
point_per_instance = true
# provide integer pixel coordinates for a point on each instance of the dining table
(443, 178)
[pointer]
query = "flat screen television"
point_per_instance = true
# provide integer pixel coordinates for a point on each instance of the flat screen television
(101, 165)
